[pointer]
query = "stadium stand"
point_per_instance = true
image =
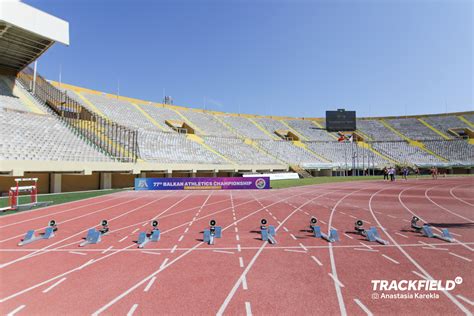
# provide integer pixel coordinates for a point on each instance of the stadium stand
(344, 153)
(309, 130)
(444, 123)
(169, 147)
(7, 99)
(286, 151)
(457, 151)
(376, 130)
(42, 137)
(245, 127)
(208, 124)
(237, 150)
(413, 129)
(404, 153)
(119, 111)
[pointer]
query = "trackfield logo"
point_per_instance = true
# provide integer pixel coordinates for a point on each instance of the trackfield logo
(410, 289)
(415, 285)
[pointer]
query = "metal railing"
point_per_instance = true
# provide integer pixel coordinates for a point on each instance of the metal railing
(117, 141)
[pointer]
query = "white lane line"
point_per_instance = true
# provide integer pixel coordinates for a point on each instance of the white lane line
(164, 263)
(402, 235)
(461, 257)
(107, 249)
(238, 248)
(223, 251)
(434, 248)
(391, 259)
(237, 237)
(54, 285)
(292, 250)
(350, 237)
(366, 249)
(181, 238)
(194, 218)
(123, 238)
(144, 224)
(343, 213)
(85, 264)
(148, 286)
(391, 216)
(241, 262)
(454, 234)
(174, 248)
(353, 216)
(285, 229)
(465, 300)
(270, 213)
(279, 223)
(336, 280)
(420, 275)
(317, 261)
(364, 308)
(151, 252)
(78, 253)
(244, 283)
(190, 223)
(132, 310)
(236, 229)
(186, 230)
(406, 220)
(365, 245)
(302, 246)
(234, 218)
(323, 222)
(293, 236)
(248, 309)
(16, 310)
(429, 245)
(135, 230)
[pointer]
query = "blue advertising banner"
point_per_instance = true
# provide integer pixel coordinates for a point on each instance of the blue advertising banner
(252, 183)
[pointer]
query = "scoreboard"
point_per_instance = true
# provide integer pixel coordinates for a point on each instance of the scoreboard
(340, 120)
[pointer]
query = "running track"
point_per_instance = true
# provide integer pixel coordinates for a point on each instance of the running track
(240, 274)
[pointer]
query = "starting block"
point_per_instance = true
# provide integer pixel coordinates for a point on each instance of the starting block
(373, 235)
(212, 233)
(48, 233)
(428, 232)
(95, 236)
(268, 233)
(143, 239)
(333, 235)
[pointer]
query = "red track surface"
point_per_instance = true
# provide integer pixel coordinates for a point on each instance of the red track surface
(240, 274)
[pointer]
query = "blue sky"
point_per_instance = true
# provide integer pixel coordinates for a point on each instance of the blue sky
(295, 58)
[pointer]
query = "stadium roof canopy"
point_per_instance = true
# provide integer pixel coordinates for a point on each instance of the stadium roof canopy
(26, 33)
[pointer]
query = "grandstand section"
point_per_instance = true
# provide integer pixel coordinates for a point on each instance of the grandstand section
(413, 129)
(309, 130)
(445, 123)
(286, 151)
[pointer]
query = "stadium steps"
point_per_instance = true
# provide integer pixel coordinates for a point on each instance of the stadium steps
(369, 147)
(300, 171)
(236, 132)
(412, 142)
(200, 141)
(194, 126)
(23, 96)
(303, 145)
(433, 129)
(89, 103)
(148, 116)
(301, 137)
(99, 133)
(462, 118)
(252, 143)
(316, 123)
(364, 135)
(260, 127)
